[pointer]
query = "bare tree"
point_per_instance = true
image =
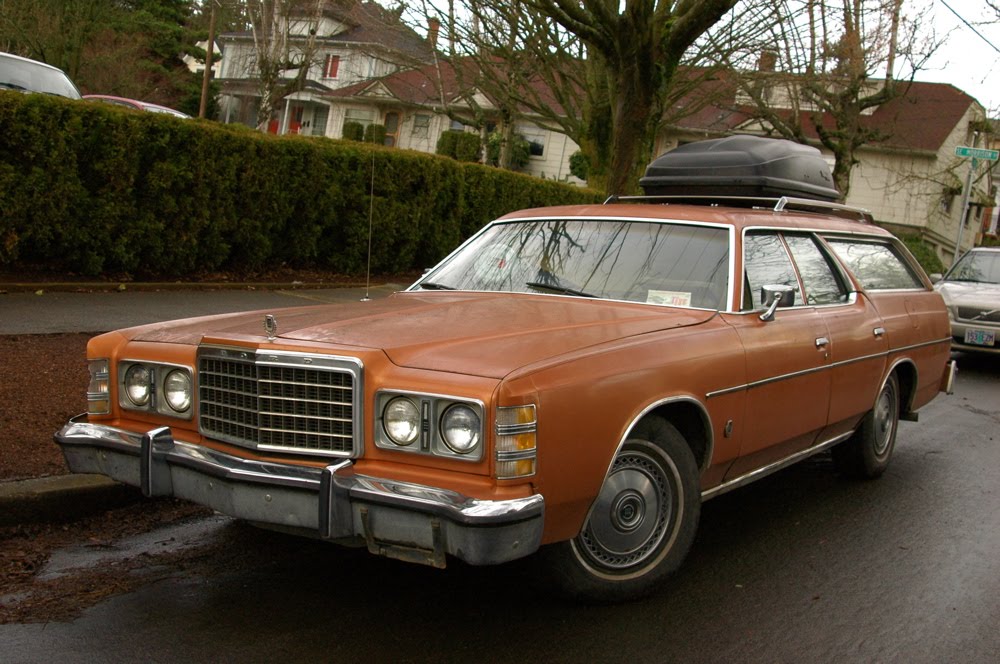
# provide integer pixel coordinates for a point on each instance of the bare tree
(600, 71)
(284, 42)
(818, 73)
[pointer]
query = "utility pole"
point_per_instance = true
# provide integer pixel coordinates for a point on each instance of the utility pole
(209, 52)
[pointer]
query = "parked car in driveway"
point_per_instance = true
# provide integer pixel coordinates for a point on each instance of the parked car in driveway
(137, 105)
(572, 381)
(971, 290)
(25, 75)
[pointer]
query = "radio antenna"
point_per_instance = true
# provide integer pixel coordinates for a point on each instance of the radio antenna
(371, 212)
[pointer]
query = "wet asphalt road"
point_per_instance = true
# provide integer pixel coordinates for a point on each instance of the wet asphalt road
(800, 567)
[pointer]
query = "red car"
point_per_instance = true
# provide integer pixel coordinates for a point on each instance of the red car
(137, 105)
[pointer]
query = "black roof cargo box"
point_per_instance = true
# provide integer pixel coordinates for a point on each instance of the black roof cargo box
(741, 166)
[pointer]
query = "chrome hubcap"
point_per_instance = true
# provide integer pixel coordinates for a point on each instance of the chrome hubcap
(632, 514)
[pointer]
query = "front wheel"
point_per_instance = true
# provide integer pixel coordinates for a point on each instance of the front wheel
(866, 454)
(642, 522)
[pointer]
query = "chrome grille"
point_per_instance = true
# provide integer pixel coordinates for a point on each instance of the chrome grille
(279, 401)
(985, 315)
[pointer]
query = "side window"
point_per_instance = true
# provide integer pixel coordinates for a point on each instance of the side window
(821, 283)
(877, 265)
(767, 263)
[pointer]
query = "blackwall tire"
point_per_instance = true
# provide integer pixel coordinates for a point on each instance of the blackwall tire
(867, 453)
(641, 525)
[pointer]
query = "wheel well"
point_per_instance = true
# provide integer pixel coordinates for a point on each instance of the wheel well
(690, 421)
(906, 373)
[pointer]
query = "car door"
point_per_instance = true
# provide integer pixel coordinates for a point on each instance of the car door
(857, 340)
(788, 384)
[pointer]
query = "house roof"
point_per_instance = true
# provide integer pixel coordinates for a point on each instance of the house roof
(427, 85)
(921, 118)
(364, 23)
(371, 23)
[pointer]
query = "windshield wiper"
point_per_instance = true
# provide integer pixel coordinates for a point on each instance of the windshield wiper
(433, 285)
(558, 288)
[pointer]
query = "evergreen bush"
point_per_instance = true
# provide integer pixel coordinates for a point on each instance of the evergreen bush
(94, 189)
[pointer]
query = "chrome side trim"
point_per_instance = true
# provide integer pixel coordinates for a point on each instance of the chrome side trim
(825, 367)
(754, 475)
(707, 421)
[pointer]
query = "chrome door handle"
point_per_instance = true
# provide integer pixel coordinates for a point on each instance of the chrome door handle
(878, 331)
(821, 342)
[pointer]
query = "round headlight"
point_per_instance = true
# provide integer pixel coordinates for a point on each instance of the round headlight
(401, 420)
(177, 390)
(460, 427)
(138, 384)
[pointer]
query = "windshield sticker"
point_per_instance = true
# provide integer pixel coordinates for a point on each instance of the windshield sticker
(672, 298)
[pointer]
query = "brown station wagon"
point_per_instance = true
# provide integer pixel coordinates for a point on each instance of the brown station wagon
(572, 381)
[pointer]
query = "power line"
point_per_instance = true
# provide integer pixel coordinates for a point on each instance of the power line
(970, 26)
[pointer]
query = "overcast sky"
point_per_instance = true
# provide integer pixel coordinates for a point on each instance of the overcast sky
(965, 60)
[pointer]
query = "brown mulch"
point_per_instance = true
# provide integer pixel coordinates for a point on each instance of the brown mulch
(44, 384)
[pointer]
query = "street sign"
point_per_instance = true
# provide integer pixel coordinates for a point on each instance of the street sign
(977, 153)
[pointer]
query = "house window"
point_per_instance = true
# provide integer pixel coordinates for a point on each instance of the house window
(536, 140)
(421, 125)
(331, 67)
(362, 116)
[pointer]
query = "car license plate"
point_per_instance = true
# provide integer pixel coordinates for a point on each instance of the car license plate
(980, 337)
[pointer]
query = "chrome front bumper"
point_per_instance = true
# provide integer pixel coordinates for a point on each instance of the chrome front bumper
(396, 519)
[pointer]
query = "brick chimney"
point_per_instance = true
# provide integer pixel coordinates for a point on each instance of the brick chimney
(433, 28)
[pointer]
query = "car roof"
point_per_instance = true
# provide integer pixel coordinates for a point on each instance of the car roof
(138, 104)
(740, 218)
(30, 61)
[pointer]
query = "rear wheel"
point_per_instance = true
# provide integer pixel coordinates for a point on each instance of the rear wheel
(866, 454)
(642, 523)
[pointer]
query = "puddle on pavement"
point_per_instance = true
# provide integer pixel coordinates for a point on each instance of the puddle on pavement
(176, 538)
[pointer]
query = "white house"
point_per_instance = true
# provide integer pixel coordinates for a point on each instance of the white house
(369, 68)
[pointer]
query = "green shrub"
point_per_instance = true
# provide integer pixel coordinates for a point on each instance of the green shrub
(520, 150)
(579, 165)
(375, 133)
(459, 145)
(353, 131)
(924, 253)
(94, 189)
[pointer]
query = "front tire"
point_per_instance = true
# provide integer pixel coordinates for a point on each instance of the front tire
(641, 525)
(867, 453)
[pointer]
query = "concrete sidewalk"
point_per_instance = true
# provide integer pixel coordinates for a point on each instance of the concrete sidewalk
(66, 497)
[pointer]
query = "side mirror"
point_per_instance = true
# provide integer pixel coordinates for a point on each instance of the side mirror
(935, 277)
(773, 296)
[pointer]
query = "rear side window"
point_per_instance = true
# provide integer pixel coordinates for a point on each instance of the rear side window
(877, 265)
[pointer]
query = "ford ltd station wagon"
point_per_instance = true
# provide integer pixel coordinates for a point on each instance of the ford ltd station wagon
(571, 382)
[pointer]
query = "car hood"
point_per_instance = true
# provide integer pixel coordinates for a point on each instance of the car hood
(483, 334)
(971, 294)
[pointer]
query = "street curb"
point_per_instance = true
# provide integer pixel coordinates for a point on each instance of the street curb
(60, 498)
(104, 286)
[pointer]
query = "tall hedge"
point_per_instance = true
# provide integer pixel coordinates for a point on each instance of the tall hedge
(95, 189)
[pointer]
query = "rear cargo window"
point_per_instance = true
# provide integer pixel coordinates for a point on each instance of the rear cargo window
(877, 265)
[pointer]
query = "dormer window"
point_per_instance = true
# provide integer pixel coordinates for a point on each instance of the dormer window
(331, 66)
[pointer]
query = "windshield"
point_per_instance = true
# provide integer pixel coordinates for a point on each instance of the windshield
(655, 263)
(977, 266)
(30, 76)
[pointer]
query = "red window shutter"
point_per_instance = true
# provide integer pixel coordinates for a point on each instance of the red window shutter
(332, 65)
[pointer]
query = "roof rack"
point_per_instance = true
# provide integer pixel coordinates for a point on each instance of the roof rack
(777, 204)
